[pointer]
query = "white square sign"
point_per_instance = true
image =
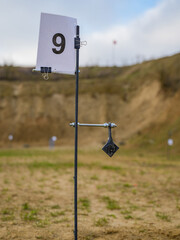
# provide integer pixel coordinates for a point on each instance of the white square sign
(56, 43)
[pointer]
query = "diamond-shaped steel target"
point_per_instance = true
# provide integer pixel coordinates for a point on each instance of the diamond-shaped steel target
(110, 148)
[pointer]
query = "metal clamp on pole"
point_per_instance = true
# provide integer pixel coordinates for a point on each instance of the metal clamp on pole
(77, 41)
(45, 69)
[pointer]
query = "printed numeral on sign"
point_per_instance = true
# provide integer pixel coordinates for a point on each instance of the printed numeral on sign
(61, 44)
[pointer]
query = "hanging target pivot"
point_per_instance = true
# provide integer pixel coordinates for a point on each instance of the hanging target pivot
(110, 147)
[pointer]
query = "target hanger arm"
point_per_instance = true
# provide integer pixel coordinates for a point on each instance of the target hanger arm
(105, 125)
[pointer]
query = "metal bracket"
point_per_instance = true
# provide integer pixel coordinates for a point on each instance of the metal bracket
(110, 147)
(105, 125)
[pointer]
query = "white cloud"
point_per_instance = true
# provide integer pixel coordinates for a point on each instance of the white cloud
(154, 34)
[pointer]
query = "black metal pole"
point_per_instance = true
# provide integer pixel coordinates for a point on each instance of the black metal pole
(77, 46)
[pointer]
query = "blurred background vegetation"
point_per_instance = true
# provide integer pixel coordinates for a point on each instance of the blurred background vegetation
(142, 99)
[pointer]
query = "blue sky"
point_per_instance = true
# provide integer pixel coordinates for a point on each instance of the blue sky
(143, 29)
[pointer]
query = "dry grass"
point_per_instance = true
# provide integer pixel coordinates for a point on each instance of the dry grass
(126, 197)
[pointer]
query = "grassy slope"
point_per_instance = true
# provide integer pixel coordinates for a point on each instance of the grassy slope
(111, 80)
(123, 82)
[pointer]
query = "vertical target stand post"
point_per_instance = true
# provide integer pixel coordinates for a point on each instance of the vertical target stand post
(77, 47)
(60, 34)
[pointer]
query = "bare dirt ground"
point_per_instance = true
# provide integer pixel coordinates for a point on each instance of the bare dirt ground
(129, 196)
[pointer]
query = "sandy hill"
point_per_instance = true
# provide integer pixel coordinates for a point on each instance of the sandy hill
(143, 100)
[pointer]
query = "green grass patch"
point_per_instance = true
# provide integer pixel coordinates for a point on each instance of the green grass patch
(42, 223)
(101, 222)
(7, 215)
(47, 164)
(56, 206)
(26, 206)
(7, 211)
(29, 153)
(112, 216)
(31, 215)
(94, 177)
(57, 213)
(163, 216)
(57, 165)
(63, 220)
(112, 168)
(111, 203)
(128, 217)
(133, 207)
(125, 212)
(85, 203)
(8, 218)
(5, 190)
(127, 185)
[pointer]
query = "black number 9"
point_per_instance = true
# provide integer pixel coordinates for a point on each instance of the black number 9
(62, 44)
